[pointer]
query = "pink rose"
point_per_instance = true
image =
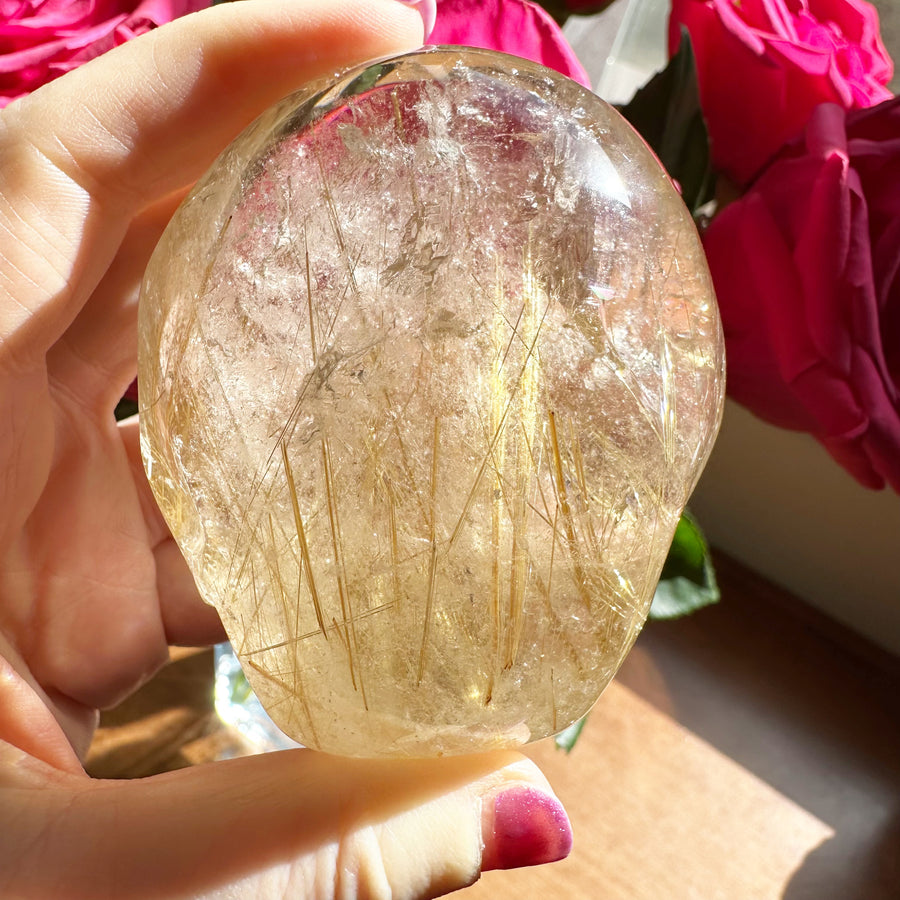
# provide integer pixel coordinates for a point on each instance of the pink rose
(806, 267)
(764, 65)
(42, 39)
(511, 26)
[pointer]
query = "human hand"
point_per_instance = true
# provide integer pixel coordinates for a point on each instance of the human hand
(92, 586)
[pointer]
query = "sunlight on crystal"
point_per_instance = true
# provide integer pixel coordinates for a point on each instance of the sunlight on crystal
(428, 369)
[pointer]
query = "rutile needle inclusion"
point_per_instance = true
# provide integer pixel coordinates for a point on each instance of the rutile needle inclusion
(429, 364)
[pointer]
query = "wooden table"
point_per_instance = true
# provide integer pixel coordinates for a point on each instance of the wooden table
(749, 752)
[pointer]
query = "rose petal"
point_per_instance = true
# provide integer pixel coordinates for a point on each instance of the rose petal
(764, 65)
(806, 271)
(756, 284)
(510, 26)
(41, 40)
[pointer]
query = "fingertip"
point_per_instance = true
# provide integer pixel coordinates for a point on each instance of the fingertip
(523, 825)
(427, 9)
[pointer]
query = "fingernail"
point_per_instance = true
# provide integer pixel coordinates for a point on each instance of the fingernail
(524, 827)
(427, 9)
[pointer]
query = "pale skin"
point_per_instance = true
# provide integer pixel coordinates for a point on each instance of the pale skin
(92, 587)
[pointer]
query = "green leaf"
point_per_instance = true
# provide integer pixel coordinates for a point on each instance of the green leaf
(240, 689)
(688, 580)
(666, 111)
(565, 740)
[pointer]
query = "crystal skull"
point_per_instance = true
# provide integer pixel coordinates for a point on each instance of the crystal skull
(429, 364)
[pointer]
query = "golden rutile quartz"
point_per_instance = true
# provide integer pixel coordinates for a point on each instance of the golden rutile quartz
(429, 365)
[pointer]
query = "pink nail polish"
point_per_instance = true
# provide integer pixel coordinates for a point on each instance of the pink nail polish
(528, 828)
(427, 9)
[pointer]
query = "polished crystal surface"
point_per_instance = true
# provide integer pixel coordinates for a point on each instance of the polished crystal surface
(429, 365)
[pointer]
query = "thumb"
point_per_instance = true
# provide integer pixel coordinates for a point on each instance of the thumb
(296, 823)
